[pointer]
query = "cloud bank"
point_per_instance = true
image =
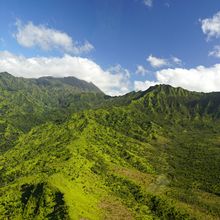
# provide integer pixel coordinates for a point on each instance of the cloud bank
(114, 81)
(201, 79)
(30, 35)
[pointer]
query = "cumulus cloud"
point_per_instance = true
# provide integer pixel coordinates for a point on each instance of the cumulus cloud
(148, 3)
(30, 35)
(201, 79)
(124, 86)
(114, 81)
(141, 70)
(211, 26)
(157, 62)
(215, 52)
(140, 85)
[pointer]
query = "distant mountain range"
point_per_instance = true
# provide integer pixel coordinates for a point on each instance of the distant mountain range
(68, 151)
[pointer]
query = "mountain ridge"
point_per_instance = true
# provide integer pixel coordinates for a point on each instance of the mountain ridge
(49, 80)
(145, 155)
(25, 104)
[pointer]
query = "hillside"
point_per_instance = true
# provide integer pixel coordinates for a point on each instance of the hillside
(145, 155)
(25, 103)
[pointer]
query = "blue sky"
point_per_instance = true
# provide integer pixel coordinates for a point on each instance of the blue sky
(120, 45)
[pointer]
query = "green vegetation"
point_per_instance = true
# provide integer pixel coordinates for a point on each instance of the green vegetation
(70, 152)
(25, 103)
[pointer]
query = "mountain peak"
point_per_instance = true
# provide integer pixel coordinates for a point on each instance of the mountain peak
(169, 90)
(74, 84)
(72, 81)
(161, 87)
(6, 74)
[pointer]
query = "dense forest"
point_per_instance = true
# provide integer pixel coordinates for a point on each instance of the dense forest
(68, 151)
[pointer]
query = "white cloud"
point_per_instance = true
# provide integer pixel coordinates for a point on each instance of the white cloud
(215, 52)
(148, 3)
(30, 35)
(114, 81)
(211, 26)
(119, 69)
(201, 79)
(124, 86)
(141, 70)
(139, 85)
(157, 62)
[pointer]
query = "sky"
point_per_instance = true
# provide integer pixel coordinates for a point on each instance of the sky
(119, 45)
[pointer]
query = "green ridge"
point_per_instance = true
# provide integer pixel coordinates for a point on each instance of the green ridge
(146, 155)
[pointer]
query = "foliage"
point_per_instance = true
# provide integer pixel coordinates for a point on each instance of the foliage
(70, 152)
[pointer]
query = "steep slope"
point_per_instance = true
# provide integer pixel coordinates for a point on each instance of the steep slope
(25, 103)
(86, 164)
(145, 155)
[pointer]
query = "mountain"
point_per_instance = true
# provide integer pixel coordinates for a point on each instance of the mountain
(25, 103)
(145, 155)
(12, 83)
